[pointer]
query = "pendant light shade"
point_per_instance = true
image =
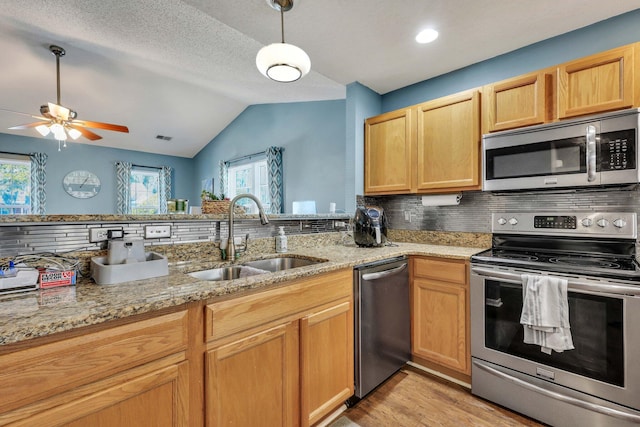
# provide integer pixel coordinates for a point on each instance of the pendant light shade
(283, 62)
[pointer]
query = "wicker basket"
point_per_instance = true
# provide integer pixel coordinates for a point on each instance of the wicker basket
(219, 207)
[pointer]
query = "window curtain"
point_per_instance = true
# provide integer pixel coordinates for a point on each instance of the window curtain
(123, 188)
(165, 188)
(38, 182)
(276, 182)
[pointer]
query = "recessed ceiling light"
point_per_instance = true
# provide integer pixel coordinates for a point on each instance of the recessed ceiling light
(427, 36)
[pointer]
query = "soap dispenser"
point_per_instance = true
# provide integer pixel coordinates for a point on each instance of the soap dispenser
(281, 240)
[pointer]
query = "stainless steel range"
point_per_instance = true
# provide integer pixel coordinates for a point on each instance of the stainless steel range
(598, 381)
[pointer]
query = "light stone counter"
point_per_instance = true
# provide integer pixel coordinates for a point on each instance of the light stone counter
(40, 313)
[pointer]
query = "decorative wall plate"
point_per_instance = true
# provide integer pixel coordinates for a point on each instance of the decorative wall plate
(81, 184)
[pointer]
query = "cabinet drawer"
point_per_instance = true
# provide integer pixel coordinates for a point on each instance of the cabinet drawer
(238, 314)
(447, 270)
(31, 374)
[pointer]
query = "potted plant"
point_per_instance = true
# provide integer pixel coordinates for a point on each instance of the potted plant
(214, 204)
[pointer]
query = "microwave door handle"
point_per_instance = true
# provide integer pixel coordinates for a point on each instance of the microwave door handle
(591, 153)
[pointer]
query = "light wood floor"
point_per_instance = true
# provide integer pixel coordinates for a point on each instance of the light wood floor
(414, 398)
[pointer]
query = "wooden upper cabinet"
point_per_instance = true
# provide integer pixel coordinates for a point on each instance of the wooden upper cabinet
(597, 83)
(388, 152)
(448, 145)
(520, 101)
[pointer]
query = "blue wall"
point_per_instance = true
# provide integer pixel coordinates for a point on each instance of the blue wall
(362, 102)
(601, 36)
(98, 160)
(313, 137)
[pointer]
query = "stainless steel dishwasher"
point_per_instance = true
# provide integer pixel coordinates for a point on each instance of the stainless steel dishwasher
(382, 322)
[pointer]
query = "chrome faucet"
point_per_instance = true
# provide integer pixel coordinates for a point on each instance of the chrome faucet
(231, 248)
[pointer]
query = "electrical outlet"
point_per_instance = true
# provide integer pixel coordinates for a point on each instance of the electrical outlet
(101, 234)
(157, 231)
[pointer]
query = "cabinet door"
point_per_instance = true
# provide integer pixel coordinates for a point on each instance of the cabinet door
(254, 380)
(449, 143)
(516, 102)
(439, 323)
(326, 340)
(597, 83)
(388, 153)
(156, 398)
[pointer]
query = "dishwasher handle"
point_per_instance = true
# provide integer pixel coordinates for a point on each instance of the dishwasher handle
(384, 273)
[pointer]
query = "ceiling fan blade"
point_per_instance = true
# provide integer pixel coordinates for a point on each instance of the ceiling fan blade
(29, 125)
(85, 132)
(59, 111)
(99, 125)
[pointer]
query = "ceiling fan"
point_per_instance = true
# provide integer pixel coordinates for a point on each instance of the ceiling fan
(60, 120)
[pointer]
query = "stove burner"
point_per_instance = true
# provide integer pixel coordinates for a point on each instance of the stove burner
(586, 262)
(517, 256)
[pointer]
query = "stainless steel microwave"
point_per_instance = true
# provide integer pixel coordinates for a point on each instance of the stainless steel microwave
(589, 151)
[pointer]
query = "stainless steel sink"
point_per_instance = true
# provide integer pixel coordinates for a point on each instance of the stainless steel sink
(252, 268)
(281, 263)
(222, 273)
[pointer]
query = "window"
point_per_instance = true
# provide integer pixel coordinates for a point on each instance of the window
(145, 191)
(15, 184)
(250, 178)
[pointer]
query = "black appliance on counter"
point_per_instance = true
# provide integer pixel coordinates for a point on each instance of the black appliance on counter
(370, 226)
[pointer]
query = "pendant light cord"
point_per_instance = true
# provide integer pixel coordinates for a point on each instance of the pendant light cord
(282, 22)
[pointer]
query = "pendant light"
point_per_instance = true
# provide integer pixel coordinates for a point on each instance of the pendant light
(282, 62)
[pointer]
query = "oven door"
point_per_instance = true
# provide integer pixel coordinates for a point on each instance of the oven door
(602, 316)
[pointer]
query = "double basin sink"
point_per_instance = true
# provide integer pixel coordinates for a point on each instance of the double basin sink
(252, 268)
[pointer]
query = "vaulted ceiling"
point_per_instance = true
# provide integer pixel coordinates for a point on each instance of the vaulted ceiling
(186, 69)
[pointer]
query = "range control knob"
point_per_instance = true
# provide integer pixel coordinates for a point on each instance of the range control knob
(620, 223)
(502, 221)
(602, 222)
(587, 222)
(513, 221)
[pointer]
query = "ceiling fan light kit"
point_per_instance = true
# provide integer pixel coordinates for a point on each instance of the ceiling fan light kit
(61, 121)
(283, 62)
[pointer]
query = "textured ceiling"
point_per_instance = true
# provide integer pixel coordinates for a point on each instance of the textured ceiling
(186, 69)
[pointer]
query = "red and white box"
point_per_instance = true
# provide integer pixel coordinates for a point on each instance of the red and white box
(52, 279)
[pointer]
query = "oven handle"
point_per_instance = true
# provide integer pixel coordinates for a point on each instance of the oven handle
(559, 396)
(612, 288)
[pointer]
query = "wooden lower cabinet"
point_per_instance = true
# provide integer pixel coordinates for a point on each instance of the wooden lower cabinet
(281, 357)
(326, 344)
(253, 381)
(276, 357)
(155, 398)
(130, 375)
(440, 300)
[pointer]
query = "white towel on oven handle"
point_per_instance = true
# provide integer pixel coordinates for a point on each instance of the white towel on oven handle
(545, 313)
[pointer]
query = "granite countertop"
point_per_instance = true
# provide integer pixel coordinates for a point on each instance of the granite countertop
(44, 312)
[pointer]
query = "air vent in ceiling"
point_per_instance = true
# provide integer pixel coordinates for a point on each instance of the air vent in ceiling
(164, 138)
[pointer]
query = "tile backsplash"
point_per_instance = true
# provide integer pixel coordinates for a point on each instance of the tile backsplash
(473, 214)
(60, 237)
